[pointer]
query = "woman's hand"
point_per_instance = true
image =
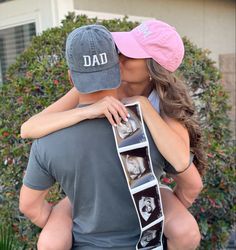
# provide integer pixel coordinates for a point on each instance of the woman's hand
(109, 107)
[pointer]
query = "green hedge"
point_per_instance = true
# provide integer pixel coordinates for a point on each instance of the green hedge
(39, 77)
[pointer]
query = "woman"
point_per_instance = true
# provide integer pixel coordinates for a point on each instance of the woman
(149, 55)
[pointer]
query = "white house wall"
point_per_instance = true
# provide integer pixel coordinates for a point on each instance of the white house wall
(45, 13)
(208, 23)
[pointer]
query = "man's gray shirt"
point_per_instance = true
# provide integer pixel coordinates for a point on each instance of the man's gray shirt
(83, 159)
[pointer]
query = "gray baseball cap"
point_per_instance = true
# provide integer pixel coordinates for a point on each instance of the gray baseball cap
(92, 59)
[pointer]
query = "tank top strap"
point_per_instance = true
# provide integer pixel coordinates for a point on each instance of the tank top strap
(155, 100)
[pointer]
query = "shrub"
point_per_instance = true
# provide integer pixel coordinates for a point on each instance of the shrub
(7, 239)
(39, 77)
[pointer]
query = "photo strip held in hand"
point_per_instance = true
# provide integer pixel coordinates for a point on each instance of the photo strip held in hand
(133, 150)
(131, 132)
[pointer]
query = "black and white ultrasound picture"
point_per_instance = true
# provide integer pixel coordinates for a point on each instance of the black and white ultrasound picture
(130, 132)
(148, 205)
(152, 237)
(137, 166)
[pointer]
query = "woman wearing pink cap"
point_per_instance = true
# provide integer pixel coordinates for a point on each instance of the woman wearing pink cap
(148, 56)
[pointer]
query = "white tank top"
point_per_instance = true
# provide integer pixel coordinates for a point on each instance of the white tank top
(155, 100)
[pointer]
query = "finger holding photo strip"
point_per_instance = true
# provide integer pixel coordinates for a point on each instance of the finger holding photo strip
(131, 132)
(134, 153)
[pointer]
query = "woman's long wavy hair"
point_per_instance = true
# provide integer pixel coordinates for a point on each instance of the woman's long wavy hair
(176, 103)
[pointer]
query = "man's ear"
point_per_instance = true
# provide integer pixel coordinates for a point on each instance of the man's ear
(70, 79)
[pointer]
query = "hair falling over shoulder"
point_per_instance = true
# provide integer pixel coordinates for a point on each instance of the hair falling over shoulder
(175, 102)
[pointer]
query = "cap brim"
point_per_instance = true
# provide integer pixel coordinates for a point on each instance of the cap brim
(96, 81)
(128, 46)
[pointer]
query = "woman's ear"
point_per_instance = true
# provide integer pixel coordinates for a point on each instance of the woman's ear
(70, 79)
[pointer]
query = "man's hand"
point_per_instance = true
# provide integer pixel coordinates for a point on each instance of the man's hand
(34, 206)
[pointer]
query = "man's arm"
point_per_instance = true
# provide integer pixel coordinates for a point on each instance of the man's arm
(34, 206)
(36, 183)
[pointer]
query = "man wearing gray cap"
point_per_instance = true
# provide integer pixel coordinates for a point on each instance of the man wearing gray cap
(83, 158)
(92, 59)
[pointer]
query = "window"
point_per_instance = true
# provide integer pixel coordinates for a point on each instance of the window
(2, 1)
(12, 42)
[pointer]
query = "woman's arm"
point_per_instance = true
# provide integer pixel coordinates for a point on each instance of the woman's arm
(63, 113)
(170, 136)
(58, 115)
(188, 185)
(172, 140)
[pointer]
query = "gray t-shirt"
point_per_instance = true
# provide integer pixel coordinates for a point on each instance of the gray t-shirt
(83, 159)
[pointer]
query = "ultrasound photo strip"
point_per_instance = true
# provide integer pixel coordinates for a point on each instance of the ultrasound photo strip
(131, 134)
(133, 150)
(150, 238)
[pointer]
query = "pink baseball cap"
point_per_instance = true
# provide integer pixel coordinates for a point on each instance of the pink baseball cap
(152, 39)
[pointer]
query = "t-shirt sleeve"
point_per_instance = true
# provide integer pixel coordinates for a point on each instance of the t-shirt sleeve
(168, 168)
(37, 175)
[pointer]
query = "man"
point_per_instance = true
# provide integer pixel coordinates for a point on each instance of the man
(83, 158)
